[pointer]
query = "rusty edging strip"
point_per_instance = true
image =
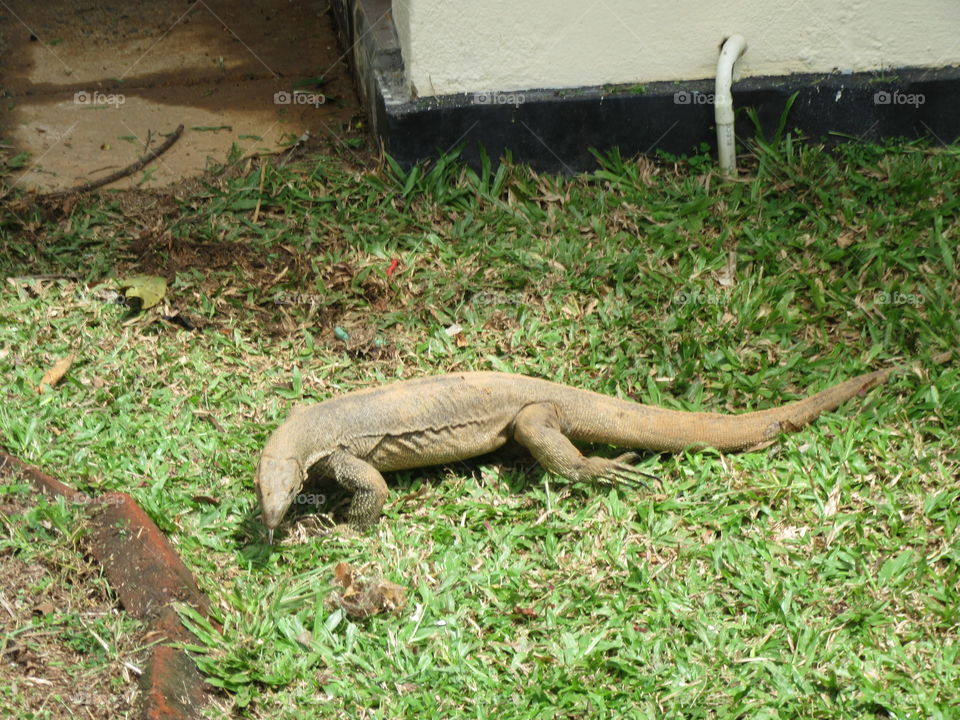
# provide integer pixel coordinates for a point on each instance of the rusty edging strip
(145, 571)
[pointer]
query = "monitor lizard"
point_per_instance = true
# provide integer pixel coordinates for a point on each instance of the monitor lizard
(438, 419)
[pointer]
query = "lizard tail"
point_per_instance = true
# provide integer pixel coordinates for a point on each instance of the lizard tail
(627, 424)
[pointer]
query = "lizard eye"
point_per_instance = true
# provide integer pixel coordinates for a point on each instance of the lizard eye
(279, 467)
(278, 476)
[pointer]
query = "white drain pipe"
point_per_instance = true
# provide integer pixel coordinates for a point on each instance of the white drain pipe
(731, 51)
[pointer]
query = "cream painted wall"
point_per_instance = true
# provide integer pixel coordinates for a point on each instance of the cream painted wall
(454, 46)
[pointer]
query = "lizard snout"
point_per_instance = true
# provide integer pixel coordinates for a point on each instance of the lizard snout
(277, 482)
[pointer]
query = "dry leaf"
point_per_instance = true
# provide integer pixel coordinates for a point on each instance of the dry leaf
(52, 376)
(846, 239)
(791, 533)
(525, 612)
(44, 608)
(728, 276)
(360, 597)
(830, 509)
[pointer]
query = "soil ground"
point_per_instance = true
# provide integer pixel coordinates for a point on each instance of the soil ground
(85, 87)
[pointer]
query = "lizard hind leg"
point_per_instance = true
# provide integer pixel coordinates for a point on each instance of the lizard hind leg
(365, 482)
(537, 427)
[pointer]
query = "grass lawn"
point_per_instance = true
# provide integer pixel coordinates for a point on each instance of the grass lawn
(816, 578)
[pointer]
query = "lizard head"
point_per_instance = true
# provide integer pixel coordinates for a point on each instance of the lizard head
(278, 481)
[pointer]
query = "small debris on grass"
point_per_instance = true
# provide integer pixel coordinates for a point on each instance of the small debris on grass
(727, 277)
(180, 321)
(362, 597)
(44, 608)
(453, 330)
(525, 612)
(52, 376)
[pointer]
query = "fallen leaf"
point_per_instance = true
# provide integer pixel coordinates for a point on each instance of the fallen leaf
(44, 608)
(52, 376)
(149, 288)
(343, 574)
(525, 612)
(846, 239)
(728, 276)
(792, 533)
(830, 509)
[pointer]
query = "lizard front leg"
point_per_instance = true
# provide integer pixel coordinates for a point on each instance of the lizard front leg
(364, 481)
(537, 428)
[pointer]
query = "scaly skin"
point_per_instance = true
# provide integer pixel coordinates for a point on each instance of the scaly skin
(434, 420)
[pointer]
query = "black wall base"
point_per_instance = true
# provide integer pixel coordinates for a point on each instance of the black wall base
(552, 130)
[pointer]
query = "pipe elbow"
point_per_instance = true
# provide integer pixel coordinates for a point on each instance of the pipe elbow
(732, 49)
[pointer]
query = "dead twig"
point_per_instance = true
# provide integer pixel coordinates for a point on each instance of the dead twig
(128, 170)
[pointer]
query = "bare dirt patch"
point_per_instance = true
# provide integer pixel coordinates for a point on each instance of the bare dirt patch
(87, 89)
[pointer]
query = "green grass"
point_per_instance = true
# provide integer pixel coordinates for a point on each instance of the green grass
(817, 578)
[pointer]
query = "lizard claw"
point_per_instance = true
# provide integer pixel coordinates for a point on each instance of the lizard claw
(622, 470)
